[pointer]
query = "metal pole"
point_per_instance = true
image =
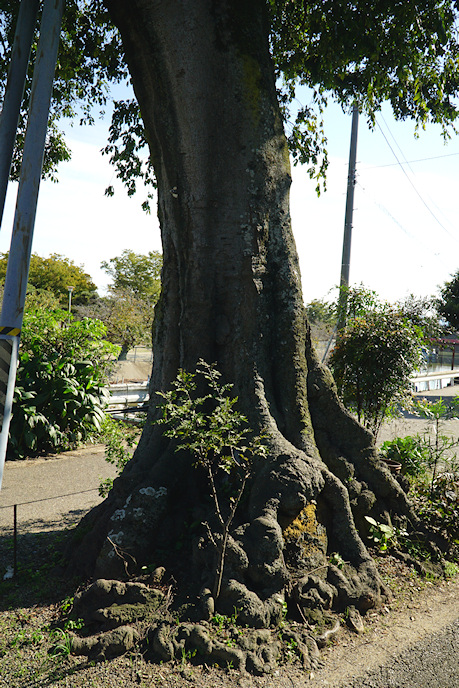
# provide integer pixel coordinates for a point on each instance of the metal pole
(15, 540)
(17, 271)
(346, 257)
(9, 115)
(70, 290)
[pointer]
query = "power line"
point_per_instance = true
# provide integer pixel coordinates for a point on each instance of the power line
(431, 200)
(412, 184)
(410, 235)
(412, 162)
(396, 143)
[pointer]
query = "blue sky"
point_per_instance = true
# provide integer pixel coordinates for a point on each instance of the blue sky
(405, 226)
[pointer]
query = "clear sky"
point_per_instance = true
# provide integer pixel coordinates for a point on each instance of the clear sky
(405, 226)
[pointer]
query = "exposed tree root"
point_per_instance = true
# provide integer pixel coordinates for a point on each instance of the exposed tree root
(297, 543)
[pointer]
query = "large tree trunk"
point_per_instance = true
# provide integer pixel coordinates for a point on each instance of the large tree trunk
(231, 294)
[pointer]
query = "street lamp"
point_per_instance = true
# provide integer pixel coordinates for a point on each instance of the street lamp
(70, 289)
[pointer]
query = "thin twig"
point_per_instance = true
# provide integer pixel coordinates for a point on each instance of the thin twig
(120, 553)
(214, 495)
(209, 533)
(302, 615)
(226, 527)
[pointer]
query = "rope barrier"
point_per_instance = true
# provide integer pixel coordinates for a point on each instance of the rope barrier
(47, 499)
(15, 520)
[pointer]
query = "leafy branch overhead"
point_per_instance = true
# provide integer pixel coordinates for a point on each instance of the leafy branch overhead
(128, 150)
(368, 52)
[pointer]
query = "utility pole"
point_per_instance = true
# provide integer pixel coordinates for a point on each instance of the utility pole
(346, 257)
(17, 271)
(9, 116)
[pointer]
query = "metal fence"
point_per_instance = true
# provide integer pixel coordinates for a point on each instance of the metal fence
(140, 353)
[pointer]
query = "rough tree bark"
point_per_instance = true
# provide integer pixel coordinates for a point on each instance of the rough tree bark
(231, 294)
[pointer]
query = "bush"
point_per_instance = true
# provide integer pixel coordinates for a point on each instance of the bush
(372, 362)
(410, 452)
(119, 439)
(60, 391)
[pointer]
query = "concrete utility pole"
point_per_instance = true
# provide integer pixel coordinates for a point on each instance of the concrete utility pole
(346, 257)
(9, 116)
(17, 271)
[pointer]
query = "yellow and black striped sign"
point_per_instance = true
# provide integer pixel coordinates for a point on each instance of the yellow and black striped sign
(11, 331)
(6, 348)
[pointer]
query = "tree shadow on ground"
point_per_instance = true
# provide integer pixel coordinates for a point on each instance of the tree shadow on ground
(37, 578)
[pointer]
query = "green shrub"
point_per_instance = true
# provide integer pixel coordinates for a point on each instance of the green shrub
(373, 360)
(409, 451)
(119, 439)
(60, 391)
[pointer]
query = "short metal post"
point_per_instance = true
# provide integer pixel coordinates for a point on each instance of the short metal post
(15, 540)
(9, 347)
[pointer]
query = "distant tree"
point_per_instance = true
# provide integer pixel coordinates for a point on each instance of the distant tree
(422, 312)
(448, 301)
(37, 299)
(321, 312)
(40, 299)
(55, 274)
(128, 319)
(137, 273)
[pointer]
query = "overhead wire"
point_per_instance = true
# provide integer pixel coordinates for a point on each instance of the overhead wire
(412, 162)
(432, 201)
(412, 183)
(396, 142)
(406, 231)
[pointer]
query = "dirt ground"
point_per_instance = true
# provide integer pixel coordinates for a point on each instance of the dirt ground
(418, 609)
(131, 371)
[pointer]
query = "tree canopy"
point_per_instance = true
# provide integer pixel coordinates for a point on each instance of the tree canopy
(127, 317)
(127, 311)
(56, 274)
(364, 52)
(448, 301)
(137, 273)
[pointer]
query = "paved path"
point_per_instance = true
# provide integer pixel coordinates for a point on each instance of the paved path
(431, 663)
(416, 645)
(57, 479)
(53, 491)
